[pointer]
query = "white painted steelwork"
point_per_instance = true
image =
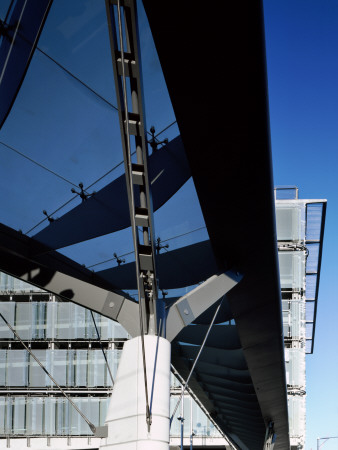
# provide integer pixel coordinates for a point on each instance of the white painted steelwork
(126, 418)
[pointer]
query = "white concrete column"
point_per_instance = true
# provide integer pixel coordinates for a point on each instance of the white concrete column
(126, 418)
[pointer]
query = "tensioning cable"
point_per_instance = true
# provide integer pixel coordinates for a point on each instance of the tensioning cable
(89, 423)
(132, 207)
(196, 359)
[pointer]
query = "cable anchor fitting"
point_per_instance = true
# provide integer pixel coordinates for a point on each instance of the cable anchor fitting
(118, 259)
(82, 194)
(153, 142)
(49, 217)
(159, 245)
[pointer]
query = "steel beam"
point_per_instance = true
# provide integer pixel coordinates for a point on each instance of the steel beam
(30, 261)
(187, 308)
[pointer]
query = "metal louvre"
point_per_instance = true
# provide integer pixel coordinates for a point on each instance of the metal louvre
(315, 222)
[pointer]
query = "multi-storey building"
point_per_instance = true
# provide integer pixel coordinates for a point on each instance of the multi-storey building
(300, 227)
(64, 338)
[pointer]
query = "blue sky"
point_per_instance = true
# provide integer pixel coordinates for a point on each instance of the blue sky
(64, 127)
(302, 50)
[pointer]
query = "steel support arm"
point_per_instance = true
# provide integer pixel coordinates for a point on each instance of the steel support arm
(26, 259)
(190, 306)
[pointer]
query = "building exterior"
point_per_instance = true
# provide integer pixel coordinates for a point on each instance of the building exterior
(300, 227)
(33, 411)
(64, 337)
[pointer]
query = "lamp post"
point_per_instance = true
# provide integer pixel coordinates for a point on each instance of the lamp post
(181, 418)
(191, 440)
(325, 439)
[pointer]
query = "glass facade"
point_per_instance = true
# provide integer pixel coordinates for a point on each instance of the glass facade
(48, 321)
(53, 416)
(63, 337)
(299, 234)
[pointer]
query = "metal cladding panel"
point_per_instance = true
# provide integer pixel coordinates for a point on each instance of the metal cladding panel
(223, 336)
(25, 21)
(107, 211)
(217, 84)
(233, 359)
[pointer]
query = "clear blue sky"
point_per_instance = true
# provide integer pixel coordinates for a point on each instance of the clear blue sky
(302, 57)
(64, 128)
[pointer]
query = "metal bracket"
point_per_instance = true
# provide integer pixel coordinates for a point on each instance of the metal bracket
(193, 304)
(101, 432)
(184, 309)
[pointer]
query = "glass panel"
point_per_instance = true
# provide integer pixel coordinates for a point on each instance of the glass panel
(3, 402)
(113, 357)
(298, 318)
(313, 221)
(40, 321)
(90, 327)
(8, 311)
(295, 367)
(308, 345)
(59, 364)
(23, 320)
(37, 376)
(104, 403)
(35, 414)
(312, 259)
(107, 328)
(187, 415)
(80, 367)
(286, 324)
(174, 383)
(292, 269)
(201, 424)
(96, 368)
(3, 367)
(17, 367)
(286, 193)
(175, 429)
(19, 415)
(90, 407)
(289, 221)
(70, 368)
(311, 283)
(52, 327)
(78, 322)
(92, 410)
(78, 424)
(310, 311)
(309, 330)
(64, 321)
(296, 415)
(118, 332)
(49, 415)
(10, 284)
(62, 417)
(8, 415)
(102, 324)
